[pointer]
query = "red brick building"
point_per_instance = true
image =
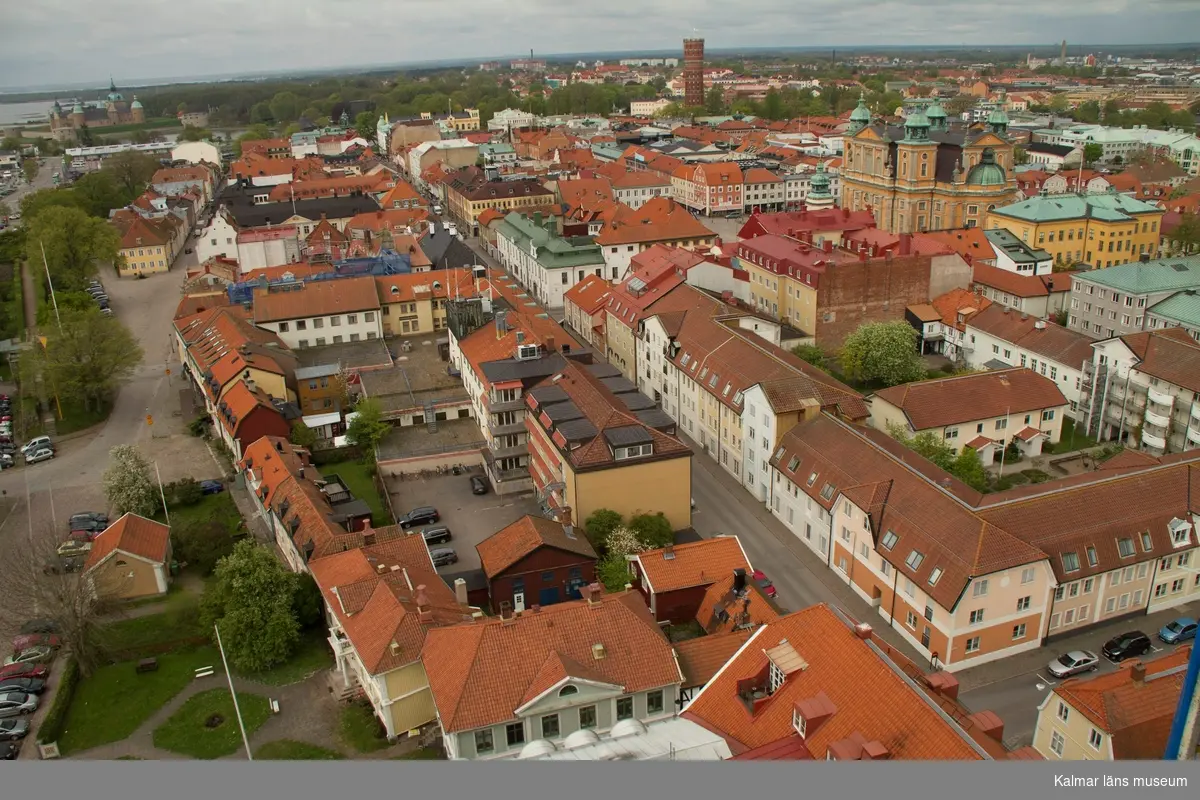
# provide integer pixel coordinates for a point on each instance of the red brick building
(536, 562)
(675, 580)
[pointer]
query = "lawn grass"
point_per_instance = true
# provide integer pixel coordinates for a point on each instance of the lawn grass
(112, 702)
(1072, 439)
(76, 418)
(312, 654)
(361, 729)
(212, 507)
(179, 622)
(187, 733)
(291, 750)
(421, 754)
(357, 477)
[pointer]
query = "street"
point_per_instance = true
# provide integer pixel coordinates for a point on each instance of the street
(44, 180)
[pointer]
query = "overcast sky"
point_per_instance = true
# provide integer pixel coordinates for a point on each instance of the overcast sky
(65, 42)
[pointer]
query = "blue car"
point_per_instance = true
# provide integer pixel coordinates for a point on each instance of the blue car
(211, 487)
(1178, 630)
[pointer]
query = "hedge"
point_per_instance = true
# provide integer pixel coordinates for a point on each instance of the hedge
(52, 724)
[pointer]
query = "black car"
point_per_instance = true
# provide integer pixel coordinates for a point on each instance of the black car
(478, 485)
(422, 515)
(40, 626)
(443, 556)
(436, 535)
(9, 751)
(27, 685)
(89, 521)
(1127, 645)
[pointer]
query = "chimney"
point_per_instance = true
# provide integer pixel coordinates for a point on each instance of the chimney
(905, 244)
(1138, 672)
(875, 751)
(989, 724)
(739, 580)
(381, 568)
(368, 537)
(1145, 258)
(944, 684)
(827, 245)
(863, 631)
(394, 649)
(593, 593)
(549, 344)
(301, 472)
(669, 552)
(422, 599)
(598, 652)
(460, 591)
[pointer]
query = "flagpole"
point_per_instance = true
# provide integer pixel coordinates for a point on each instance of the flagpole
(233, 693)
(162, 494)
(1004, 443)
(49, 281)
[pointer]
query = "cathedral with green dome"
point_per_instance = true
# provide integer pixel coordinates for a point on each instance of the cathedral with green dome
(927, 173)
(112, 110)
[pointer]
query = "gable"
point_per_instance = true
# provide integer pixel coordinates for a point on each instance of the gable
(543, 557)
(587, 693)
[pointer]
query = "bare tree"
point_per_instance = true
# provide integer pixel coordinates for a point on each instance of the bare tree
(40, 582)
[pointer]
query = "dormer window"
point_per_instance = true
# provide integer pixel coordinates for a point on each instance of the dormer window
(914, 560)
(1147, 542)
(935, 576)
(827, 491)
(634, 451)
(1070, 561)
(1180, 532)
(812, 479)
(798, 722)
(795, 462)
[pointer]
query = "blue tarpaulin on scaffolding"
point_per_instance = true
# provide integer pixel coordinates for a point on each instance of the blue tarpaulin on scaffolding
(388, 262)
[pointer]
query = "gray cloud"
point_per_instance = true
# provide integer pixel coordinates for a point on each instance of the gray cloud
(71, 42)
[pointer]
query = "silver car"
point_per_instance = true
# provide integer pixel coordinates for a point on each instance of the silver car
(1073, 663)
(44, 454)
(14, 704)
(30, 655)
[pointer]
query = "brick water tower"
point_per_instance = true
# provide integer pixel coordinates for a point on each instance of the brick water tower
(693, 72)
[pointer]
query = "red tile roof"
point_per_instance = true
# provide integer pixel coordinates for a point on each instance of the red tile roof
(966, 398)
(481, 673)
(958, 307)
(702, 658)
(699, 563)
(1035, 335)
(142, 232)
(1021, 285)
(1171, 355)
(510, 544)
(134, 536)
(832, 219)
(789, 748)
(1136, 713)
(723, 610)
(661, 219)
(316, 299)
(830, 671)
(331, 187)
(589, 295)
(420, 285)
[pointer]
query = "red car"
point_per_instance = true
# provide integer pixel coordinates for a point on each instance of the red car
(27, 640)
(764, 583)
(27, 670)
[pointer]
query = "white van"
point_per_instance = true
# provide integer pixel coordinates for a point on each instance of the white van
(37, 443)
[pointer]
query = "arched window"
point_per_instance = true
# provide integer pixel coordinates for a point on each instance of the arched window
(568, 690)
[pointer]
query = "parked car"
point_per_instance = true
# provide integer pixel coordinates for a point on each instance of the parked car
(31, 655)
(108, 312)
(10, 751)
(443, 556)
(89, 521)
(436, 535)
(14, 704)
(23, 641)
(40, 626)
(26, 685)
(478, 485)
(37, 443)
(1178, 630)
(72, 548)
(25, 671)
(43, 454)
(421, 515)
(1073, 663)
(6, 461)
(14, 729)
(764, 583)
(1127, 645)
(211, 487)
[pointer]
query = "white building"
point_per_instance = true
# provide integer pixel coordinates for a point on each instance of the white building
(196, 153)
(504, 121)
(259, 248)
(1180, 146)
(648, 108)
(318, 313)
(218, 239)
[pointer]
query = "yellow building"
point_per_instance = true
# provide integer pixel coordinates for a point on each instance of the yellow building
(1096, 229)
(925, 175)
(465, 121)
(415, 303)
(469, 193)
(587, 451)
(129, 560)
(147, 245)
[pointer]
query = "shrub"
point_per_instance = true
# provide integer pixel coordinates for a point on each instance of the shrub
(199, 426)
(56, 718)
(183, 492)
(202, 544)
(653, 530)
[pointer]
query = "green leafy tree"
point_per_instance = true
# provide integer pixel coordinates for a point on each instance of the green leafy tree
(260, 113)
(99, 193)
(653, 530)
(1185, 238)
(12, 144)
(368, 427)
(128, 485)
(201, 544)
(30, 167)
(132, 171)
(714, 101)
(5, 211)
(302, 435)
(624, 541)
(613, 572)
(1058, 104)
(969, 469)
(250, 601)
(882, 353)
(285, 106)
(33, 203)
(600, 524)
(810, 353)
(191, 133)
(1020, 155)
(772, 105)
(252, 134)
(364, 124)
(307, 602)
(1092, 152)
(960, 104)
(89, 358)
(74, 243)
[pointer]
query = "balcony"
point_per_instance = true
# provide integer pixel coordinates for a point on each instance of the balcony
(1195, 421)
(506, 429)
(509, 451)
(1150, 440)
(1157, 420)
(340, 644)
(500, 406)
(1161, 398)
(1193, 436)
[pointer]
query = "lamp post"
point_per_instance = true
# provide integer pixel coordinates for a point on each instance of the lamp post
(232, 693)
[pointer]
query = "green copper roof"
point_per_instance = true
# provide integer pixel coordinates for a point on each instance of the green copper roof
(987, 172)
(916, 120)
(936, 111)
(553, 251)
(861, 113)
(997, 117)
(1145, 277)
(1110, 207)
(1182, 307)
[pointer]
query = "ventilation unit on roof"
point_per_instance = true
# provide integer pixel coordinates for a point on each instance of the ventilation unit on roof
(527, 352)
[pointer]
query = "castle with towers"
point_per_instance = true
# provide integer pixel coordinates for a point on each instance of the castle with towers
(112, 110)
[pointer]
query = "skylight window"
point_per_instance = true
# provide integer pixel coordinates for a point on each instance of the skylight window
(935, 576)
(914, 559)
(795, 462)
(827, 491)
(889, 540)
(812, 479)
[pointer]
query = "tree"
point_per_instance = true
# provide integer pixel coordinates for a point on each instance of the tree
(882, 353)
(99, 193)
(252, 134)
(201, 544)
(1185, 238)
(623, 541)
(250, 601)
(652, 530)
(969, 469)
(127, 482)
(302, 435)
(31, 167)
(714, 101)
(12, 144)
(1020, 155)
(307, 602)
(1058, 104)
(74, 243)
(132, 170)
(364, 124)
(1092, 152)
(88, 358)
(960, 104)
(810, 353)
(600, 524)
(772, 105)
(5, 211)
(191, 133)
(613, 572)
(368, 427)
(285, 107)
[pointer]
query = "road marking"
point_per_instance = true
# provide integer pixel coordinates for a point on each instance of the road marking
(1155, 649)
(1044, 683)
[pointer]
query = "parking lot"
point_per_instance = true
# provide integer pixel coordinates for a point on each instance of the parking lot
(471, 518)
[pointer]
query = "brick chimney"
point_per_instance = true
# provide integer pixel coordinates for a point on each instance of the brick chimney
(827, 245)
(460, 591)
(593, 593)
(863, 631)
(989, 724)
(549, 344)
(905, 244)
(1138, 672)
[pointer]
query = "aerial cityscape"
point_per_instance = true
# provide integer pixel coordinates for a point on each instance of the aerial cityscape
(712, 401)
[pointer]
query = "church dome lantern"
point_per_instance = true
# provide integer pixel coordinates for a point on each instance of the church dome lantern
(916, 127)
(987, 172)
(860, 117)
(936, 116)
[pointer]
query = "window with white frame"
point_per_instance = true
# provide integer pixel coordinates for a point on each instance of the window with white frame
(1064, 711)
(1056, 743)
(1095, 739)
(980, 588)
(1018, 631)
(977, 616)
(1028, 574)
(776, 678)
(973, 644)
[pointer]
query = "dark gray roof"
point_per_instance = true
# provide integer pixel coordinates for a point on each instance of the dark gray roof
(636, 401)
(576, 430)
(445, 251)
(513, 370)
(618, 384)
(627, 435)
(603, 370)
(656, 418)
(563, 412)
(1052, 149)
(549, 394)
(247, 214)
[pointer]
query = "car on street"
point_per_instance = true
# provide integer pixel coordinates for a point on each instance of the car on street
(14, 729)
(1178, 630)
(436, 535)
(26, 685)
(30, 655)
(25, 671)
(1073, 663)
(37, 443)
(421, 515)
(211, 487)
(764, 583)
(443, 556)
(40, 626)
(44, 454)
(478, 485)
(23, 641)
(10, 751)
(1127, 645)
(88, 521)
(6, 461)
(14, 704)
(73, 547)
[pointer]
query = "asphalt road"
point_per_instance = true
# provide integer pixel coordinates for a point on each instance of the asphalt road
(44, 180)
